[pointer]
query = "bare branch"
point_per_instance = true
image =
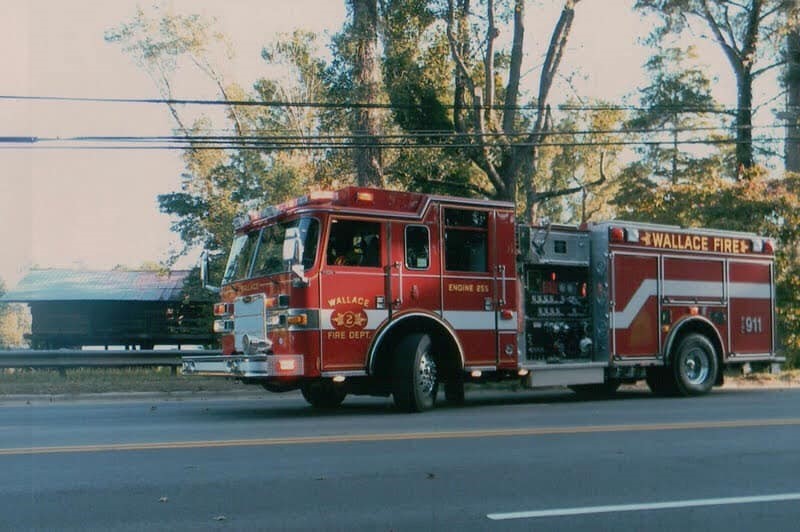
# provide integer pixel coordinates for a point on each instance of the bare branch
(515, 67)
(483, 159)
(751, 36)
(542, 196)
(730, 51)
(488, 63)
(760, 71)
(454, 52)
(781, 94)
(729, 30)
(769, 12)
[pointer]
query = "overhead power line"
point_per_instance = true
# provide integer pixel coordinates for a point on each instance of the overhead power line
(425, 136)
(363, 105)
(183, 143)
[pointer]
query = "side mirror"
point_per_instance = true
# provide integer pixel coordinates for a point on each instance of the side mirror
(293, 253)
(291, 245)
(204, 273)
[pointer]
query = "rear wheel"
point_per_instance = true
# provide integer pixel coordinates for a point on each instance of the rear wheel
(323, 394)
(694, 365)
(414, 380)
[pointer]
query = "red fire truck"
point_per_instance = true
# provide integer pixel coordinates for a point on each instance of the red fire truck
(368, 291)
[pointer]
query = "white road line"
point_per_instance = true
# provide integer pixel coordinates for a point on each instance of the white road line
(561, 512)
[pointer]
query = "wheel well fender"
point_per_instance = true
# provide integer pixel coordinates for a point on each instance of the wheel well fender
(446, 345)
(696, 325)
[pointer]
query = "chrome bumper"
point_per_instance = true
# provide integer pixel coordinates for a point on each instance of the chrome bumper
(243, 366)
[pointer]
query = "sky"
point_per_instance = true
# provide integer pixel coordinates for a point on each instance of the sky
(97, 209)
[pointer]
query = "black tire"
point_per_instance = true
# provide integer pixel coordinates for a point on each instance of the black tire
(454, 390)
(598, 390)
(414, 379)
(694, 365)
(660, 381)
(323, 394)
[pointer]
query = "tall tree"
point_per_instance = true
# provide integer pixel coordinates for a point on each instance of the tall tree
(740, 28)
(676, 102)
(674, 111)
(577, 166)
(512, 159)
(218, 182)
(472, 96)
(792, 112)
(366, 74)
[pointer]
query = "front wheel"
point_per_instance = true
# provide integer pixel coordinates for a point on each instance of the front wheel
(695, 365)
(415, 377)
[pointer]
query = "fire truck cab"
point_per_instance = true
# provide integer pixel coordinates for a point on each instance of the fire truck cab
(370, 291)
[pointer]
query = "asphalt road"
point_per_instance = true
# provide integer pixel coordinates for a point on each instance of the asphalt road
(506, 461)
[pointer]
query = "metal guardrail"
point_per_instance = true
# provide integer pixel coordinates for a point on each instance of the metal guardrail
(73, 358)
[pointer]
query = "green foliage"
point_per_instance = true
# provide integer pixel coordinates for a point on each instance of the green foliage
(15, 322)
(576, 161)
(218, 184)
(417, 69)
(670, 179)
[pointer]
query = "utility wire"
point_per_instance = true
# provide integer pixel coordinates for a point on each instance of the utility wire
(416, 135)
(441, 135)
(315, 145)
(362, 105)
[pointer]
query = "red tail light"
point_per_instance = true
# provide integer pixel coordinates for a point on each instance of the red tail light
(223, 309)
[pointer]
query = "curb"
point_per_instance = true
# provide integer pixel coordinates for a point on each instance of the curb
(30, 399)
(181, 395)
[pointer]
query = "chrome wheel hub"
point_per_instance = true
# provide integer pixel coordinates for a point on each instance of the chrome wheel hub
(696, 366)
(426, 374)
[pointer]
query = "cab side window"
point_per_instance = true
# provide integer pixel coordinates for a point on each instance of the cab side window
(354, 243)
(417, 246)
(466, 236)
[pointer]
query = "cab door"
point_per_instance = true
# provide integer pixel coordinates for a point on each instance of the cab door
(352, 288)
(414, 271)
(469, 284)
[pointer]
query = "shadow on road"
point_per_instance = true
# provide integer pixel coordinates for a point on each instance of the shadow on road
(292, 406)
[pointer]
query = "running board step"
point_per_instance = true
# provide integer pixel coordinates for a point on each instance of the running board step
(551, 376)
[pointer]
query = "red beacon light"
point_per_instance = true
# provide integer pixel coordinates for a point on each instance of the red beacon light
(365, 197)
(223, 309)
(617, 234)
(621, 234)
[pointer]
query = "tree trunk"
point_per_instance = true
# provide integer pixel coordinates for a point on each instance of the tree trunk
(555, 51)
(366, 152)
(459, 95)
(792, 115)
(744, 122)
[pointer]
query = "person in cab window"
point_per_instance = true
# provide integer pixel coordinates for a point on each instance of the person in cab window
(354, 255)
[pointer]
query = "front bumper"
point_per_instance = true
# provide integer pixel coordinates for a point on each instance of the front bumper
(243, 366)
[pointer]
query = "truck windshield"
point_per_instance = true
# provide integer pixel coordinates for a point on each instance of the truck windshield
(260, 252)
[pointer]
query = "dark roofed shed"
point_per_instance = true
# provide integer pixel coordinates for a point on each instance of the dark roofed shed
(73, 308)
